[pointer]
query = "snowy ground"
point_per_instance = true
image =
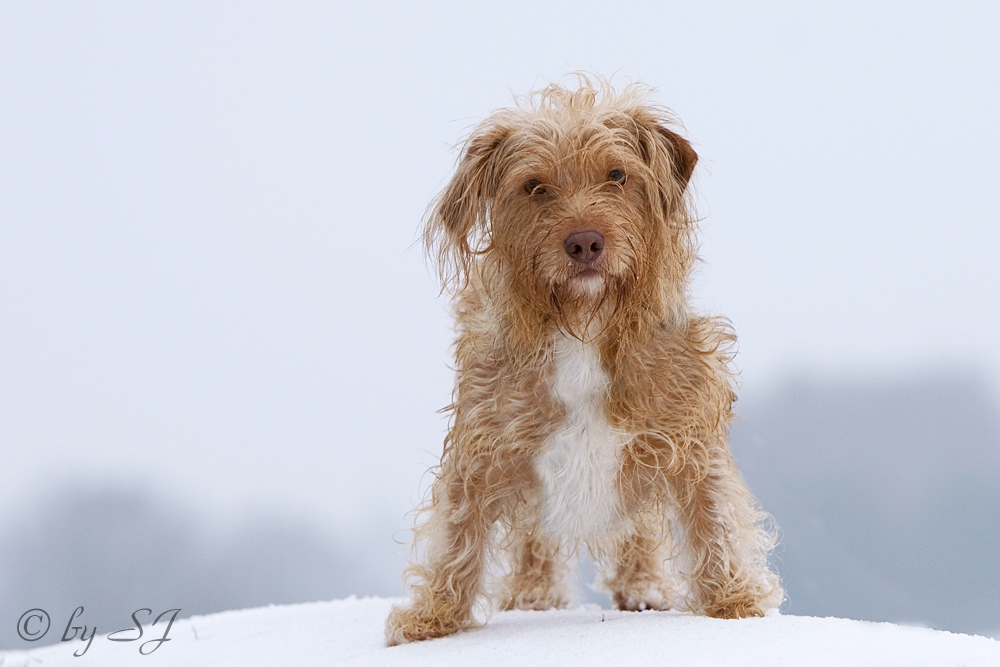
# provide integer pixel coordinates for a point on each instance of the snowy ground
(349, 632)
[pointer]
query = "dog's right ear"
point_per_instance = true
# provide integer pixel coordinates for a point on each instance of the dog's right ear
(458, 223)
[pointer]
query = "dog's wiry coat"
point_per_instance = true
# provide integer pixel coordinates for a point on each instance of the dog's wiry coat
(591, 405)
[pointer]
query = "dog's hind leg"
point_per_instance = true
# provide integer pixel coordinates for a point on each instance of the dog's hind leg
(538, 573)
(642, 577)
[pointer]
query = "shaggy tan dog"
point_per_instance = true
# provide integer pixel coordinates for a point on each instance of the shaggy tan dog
(592, 405)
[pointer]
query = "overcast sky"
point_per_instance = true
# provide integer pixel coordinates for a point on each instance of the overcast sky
(208, 275)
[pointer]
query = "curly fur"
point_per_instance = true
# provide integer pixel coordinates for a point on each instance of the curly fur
(591, 406)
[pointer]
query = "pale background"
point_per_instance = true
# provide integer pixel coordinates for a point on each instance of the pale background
(222, 353)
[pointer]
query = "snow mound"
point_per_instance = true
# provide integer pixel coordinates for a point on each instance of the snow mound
(349, 632)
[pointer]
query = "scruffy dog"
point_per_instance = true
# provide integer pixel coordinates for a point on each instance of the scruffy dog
(592, 405)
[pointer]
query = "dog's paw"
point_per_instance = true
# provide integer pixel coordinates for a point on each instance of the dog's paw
(651, 598)
(537, 598)
(735, 606)
(412, 624)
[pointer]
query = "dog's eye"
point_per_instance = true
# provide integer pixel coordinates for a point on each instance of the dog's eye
(534, 187)
(617, 175)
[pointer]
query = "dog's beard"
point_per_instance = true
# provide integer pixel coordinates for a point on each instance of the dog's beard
(584, 304)
(581, 301)
(587, 284)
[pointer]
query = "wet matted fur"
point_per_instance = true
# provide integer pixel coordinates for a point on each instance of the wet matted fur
(591, 406)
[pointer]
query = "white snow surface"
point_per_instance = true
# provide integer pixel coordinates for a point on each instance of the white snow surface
(349, 632)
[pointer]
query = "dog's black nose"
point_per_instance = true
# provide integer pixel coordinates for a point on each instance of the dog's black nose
(584, 247)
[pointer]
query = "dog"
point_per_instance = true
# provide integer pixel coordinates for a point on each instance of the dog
(592, 404)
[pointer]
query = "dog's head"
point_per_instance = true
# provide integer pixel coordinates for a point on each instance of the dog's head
(572, 200)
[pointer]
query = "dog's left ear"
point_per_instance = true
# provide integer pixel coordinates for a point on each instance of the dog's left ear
(668, 154)
(682, 157)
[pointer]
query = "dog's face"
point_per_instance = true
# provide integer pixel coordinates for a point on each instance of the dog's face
(571, 204)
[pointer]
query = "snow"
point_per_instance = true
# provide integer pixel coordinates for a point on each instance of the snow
(349, 632)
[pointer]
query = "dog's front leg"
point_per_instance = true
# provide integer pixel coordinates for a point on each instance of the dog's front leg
(457, 536)
(726, 539)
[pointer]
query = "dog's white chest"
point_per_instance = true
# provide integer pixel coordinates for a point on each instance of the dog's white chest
(578, 464)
